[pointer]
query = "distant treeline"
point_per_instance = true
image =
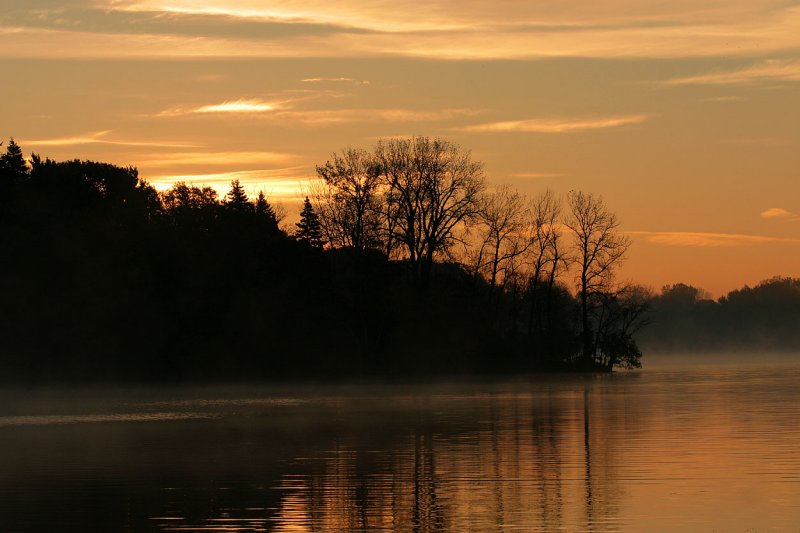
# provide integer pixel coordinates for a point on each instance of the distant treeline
(764, 318)
(403, 263)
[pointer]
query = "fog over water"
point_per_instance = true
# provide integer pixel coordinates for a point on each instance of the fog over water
(688, 444)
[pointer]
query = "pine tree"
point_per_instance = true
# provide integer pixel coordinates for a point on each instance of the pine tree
(309, 229)
(265, 210)
(13, 168)
(236, 199)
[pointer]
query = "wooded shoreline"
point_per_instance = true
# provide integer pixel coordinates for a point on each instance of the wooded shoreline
(404, 264)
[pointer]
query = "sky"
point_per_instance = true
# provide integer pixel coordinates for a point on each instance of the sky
(684, 115)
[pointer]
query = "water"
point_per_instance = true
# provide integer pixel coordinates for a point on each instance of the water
(678, 447)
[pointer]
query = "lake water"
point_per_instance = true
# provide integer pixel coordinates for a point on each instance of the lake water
(685, 445)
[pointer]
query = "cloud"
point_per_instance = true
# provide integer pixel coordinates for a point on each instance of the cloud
(535, 175)
(354, 81)
(574, 15)
(713, 240)
(237, 106)
(282, 111)
(374, 16)
(177, 159)
(241, 106)
(211, 77)
(322, 117)
(780, 214)
(558, 125)
(725, 99)
(99, 137)
(453, 30)
(770, 70)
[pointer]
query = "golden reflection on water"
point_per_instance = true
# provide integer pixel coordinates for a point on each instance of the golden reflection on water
(525, 461)
(713, 449)
(624, 453)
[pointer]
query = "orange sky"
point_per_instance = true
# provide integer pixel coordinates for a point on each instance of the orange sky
(685, 115)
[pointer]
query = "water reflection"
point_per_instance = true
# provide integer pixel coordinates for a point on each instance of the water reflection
(507, 461)
(676, 450)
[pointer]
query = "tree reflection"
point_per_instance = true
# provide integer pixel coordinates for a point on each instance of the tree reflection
(523, 461)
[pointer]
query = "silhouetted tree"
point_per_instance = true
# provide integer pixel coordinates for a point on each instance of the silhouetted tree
(13, 169)
(12, 162)
(309, 229)
(545, 256)
(349, 200)
(618, 316)
(236, 199)
(190, 206)
(435, 187)
(265, 210)
(502, 216)
(599, 248)
(78, 185)
(502, 227)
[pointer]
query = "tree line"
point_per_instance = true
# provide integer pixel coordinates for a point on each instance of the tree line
(404, 262)
(758, 319)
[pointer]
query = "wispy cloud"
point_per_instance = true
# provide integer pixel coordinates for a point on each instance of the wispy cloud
(240, 106)
(779, 213)
(100, 137)
(284, 112)
(321, 117)
(453, 30)
(211, 78)
(374, 16)
(535, 175)
(237, 106)
(714, 240)
(353, 81)
(556, 125)
(575, 15)
(770, 70)
(725, 99)
(176, 159)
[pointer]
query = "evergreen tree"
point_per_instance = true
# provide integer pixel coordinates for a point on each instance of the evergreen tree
(264, 210)
(236, 199)
(309, 229)
(13, 168)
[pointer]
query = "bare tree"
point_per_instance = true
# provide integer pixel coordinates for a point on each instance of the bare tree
(502, 219)
(546, 256)
(599, 248)
(434, 188)
(348, 200)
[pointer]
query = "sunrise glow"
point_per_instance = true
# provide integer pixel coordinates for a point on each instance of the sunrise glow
(682, 114)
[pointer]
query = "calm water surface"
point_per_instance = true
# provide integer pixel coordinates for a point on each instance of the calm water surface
(678, 447)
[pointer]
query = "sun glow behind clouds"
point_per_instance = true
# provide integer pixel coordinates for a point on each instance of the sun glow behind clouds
(374, 16)
(237, 106)
(282, 184)
(241, 106)
(224, 77)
